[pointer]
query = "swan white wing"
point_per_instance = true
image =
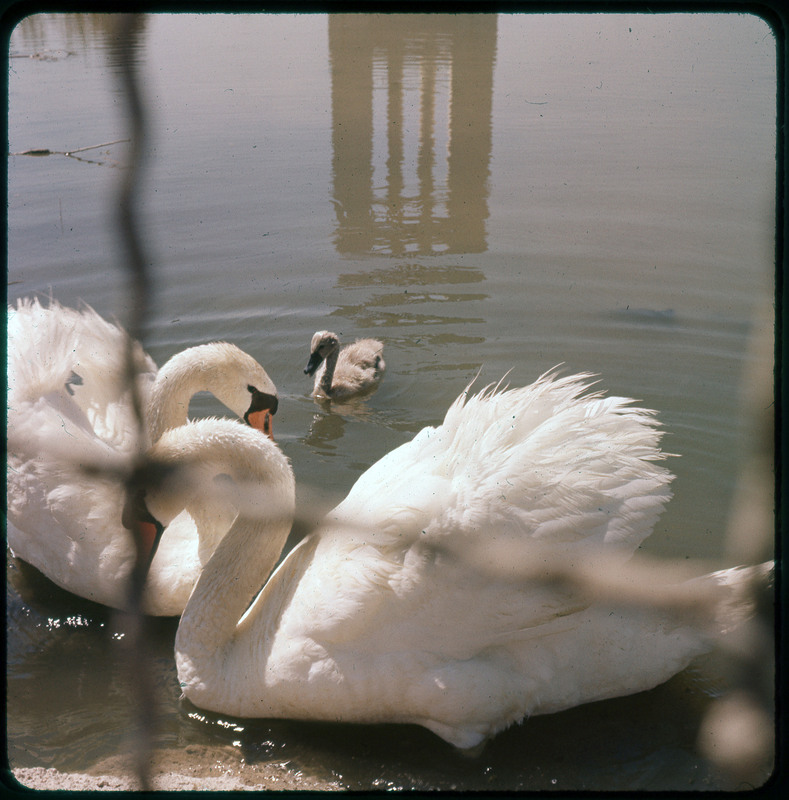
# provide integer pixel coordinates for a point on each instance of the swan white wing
(66, 412)
(76, 359)
(548, 462)
(548, 465)
(397, 586)
(61, 521)
(69, 416)
(508, 476)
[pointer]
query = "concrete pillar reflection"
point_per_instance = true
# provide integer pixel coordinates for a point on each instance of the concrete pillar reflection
(446, 63)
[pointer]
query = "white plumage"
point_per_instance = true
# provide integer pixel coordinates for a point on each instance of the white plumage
(70, 412)
(429, 596)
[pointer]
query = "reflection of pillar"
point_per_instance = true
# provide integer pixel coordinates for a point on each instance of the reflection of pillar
(427, 157)
(470, 129)
(434, 215)
(352, 132)
(395, 121)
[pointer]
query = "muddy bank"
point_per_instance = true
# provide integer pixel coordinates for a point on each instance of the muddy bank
(193, 768)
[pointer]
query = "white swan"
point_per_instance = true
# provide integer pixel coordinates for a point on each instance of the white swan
(384, 615)
(341, 373)
(68, 408)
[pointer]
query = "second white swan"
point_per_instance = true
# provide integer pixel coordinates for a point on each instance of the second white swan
(69, 409)
(428, 595)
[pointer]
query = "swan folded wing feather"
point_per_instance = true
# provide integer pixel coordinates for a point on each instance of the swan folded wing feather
(74, 512)
(403, 600)
(60, 511)
(340, 592)
(559, 660)
(471, 480)
(64, 495)
(75, 361)
(492, 492)
(400, 493)
(363, 351)
(406, 653)
(363, 356)
(47, 344)
(569, 657)
(54, 432)
(581, 467)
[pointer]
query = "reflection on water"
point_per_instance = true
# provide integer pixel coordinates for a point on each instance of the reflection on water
(328, 427)
(62, 644)
(411, 132)
(616, 246)
(419, 298)
(410, 274)
(82, 33)
(79, 31)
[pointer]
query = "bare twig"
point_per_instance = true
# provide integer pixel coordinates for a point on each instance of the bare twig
(45, 151)
(94, 146)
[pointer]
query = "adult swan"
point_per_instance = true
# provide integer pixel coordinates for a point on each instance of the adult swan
(69, 408)
(387, 613)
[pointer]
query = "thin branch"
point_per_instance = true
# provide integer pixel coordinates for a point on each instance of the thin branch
(94, 146)
(45, 151)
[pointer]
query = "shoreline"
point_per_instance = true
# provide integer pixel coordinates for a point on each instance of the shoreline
(193, 768)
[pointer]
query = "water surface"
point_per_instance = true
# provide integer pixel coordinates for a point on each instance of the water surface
(484, 194)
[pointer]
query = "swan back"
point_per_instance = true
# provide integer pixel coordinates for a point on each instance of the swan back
(71, 362)
(548, 462)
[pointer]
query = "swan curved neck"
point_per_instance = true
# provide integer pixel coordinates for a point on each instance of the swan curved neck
(233, 577)
(328, 372)
(247, 554)
(168, 402)
(197, 369)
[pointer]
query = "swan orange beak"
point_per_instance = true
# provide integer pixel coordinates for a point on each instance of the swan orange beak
(262, 408)
(146, 532)
(262, 421)
(147, 541)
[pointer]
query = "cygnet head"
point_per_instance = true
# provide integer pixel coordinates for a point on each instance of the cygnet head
(323, 344)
